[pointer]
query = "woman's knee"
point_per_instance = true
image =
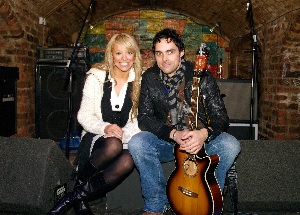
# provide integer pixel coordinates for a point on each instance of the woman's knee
(114, 144)
(127, 161)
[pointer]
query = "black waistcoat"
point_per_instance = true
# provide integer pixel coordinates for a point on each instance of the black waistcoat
(115, 117)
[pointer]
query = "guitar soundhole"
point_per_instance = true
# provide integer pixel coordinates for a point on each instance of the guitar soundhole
(190, 166)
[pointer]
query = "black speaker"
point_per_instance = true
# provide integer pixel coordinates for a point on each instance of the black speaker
(8, 96)
(237, 94)
(52, 99)
(31, 171)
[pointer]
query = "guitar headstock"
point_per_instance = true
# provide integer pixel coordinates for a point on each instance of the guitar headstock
(201, 60)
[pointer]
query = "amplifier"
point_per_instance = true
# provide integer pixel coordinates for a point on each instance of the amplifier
(243, 131)
(60, 54)
(236, 94)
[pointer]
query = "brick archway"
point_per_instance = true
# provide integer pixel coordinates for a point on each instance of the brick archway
(290, 41)
(13, 27)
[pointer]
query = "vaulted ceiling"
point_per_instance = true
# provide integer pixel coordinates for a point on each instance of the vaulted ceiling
(69, 15)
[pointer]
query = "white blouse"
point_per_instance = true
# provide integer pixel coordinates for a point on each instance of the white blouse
(117, 101)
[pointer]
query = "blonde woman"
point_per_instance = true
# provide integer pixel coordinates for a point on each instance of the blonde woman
(108, 115)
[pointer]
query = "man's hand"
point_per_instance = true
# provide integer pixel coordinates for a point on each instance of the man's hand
(191, 141)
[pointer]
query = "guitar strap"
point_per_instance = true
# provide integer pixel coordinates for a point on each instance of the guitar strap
(192, 120)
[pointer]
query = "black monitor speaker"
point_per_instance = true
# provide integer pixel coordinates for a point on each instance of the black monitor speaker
(34, 173)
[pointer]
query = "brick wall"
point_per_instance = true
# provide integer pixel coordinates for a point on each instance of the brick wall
(280, 79)
(19, 37)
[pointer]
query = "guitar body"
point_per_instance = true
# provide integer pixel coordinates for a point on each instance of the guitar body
(192, 188)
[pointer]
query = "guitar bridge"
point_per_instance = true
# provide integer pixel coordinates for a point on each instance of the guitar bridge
(188, 192)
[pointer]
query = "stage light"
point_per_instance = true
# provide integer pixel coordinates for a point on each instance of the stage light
(213, 28)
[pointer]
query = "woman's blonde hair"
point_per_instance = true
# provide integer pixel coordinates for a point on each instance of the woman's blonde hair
(130, 43)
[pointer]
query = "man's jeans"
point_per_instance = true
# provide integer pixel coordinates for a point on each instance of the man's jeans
(148, 152)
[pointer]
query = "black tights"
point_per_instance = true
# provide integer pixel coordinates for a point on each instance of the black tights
(109, 156)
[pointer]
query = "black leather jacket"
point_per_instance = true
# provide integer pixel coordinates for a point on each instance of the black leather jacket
(154, 108)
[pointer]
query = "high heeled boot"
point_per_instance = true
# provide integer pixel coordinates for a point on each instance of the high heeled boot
(81, 193)
(82, 208)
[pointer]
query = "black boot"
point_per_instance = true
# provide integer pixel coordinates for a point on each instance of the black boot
(81, 192)
(67, 202)
(88, 170)
(82, 208)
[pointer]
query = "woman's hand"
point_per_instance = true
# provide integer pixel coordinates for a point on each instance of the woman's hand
(113, 130)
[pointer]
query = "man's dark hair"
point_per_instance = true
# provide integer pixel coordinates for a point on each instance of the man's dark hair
(170, 35)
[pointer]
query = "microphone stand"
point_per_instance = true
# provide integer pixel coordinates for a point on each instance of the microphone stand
(72, 68)
(254, 64)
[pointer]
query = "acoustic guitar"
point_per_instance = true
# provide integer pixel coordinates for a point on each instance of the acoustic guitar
(192, 188)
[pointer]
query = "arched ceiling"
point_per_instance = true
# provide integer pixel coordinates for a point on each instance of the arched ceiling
(231, 14)
(68, 16)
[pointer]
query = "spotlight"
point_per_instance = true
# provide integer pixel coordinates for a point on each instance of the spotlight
(89, 24)
(213, 28)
